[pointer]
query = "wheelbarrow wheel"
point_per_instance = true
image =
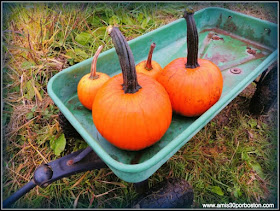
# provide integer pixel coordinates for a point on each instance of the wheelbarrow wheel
(266, 93)
(68, 130)
(170, 193)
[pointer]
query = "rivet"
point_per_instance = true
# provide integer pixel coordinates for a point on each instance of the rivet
(70, 162)
(268, 30)
(251, 51)
(235, 70)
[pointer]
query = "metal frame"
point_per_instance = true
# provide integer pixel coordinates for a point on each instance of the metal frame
(45, 174)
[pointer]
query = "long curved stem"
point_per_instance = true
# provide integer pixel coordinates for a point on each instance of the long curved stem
(148, 65)
(130, 83)
(93, 64)
(192, 39)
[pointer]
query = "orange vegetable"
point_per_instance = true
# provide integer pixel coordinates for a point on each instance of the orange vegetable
(149, 67)
(91, 82)
(128, 114)
(193, 85)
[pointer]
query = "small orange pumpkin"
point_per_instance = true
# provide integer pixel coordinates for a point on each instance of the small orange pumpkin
(91, 82)
(128, 114)
(193, 85)
(149, 67)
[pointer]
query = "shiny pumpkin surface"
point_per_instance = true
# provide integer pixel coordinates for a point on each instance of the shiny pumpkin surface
(132, 121)
(192, 91)
(87, 88)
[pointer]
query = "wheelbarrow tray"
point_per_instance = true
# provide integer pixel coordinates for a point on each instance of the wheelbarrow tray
(235, 33)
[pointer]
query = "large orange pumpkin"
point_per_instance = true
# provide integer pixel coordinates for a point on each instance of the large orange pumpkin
(128, 114)
(193, 85)
(91, 82)
(149, 67)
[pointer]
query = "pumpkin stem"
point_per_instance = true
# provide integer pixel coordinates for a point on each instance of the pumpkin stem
(130, 83)
(192, 39)
(149, 60)
(93, 64)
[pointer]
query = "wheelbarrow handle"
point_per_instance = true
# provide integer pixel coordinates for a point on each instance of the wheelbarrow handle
(25, 189)
(45, 174)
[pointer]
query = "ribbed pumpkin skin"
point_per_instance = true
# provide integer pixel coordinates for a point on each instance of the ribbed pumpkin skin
(140, 68)
(87, 88)
(132, 121)
(192, 91)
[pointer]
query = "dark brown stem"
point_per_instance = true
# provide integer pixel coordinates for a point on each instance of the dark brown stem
(93, 64)
(192, 39)
(130, 83)
(148, 65)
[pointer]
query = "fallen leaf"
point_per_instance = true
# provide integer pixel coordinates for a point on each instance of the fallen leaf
(37, 93)
(217, 190)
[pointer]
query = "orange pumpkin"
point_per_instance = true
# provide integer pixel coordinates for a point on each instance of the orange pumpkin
(149, 67)
(193, 85)
(128, 114)
(91, 82)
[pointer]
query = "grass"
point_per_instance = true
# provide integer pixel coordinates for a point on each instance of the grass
(232, 159)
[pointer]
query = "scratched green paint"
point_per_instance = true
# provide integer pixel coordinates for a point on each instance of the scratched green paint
(171, 44)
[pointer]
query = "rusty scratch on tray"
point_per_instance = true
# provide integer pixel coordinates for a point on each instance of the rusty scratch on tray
(242, 61)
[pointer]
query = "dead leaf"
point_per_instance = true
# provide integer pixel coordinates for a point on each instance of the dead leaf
(37, 93)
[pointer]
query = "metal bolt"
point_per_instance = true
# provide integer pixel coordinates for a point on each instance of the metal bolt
(267, 30)
(42, 175)
(235, 70)
(70, 162)
(251, 51)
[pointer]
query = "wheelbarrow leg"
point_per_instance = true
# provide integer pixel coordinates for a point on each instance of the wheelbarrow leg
(141, 187)
(68, 130)
(266, 93)
(170, 193)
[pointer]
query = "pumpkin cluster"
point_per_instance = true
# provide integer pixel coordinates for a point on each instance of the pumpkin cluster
(133, 110)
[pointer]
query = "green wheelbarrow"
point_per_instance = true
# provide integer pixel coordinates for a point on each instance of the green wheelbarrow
(242, 46)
